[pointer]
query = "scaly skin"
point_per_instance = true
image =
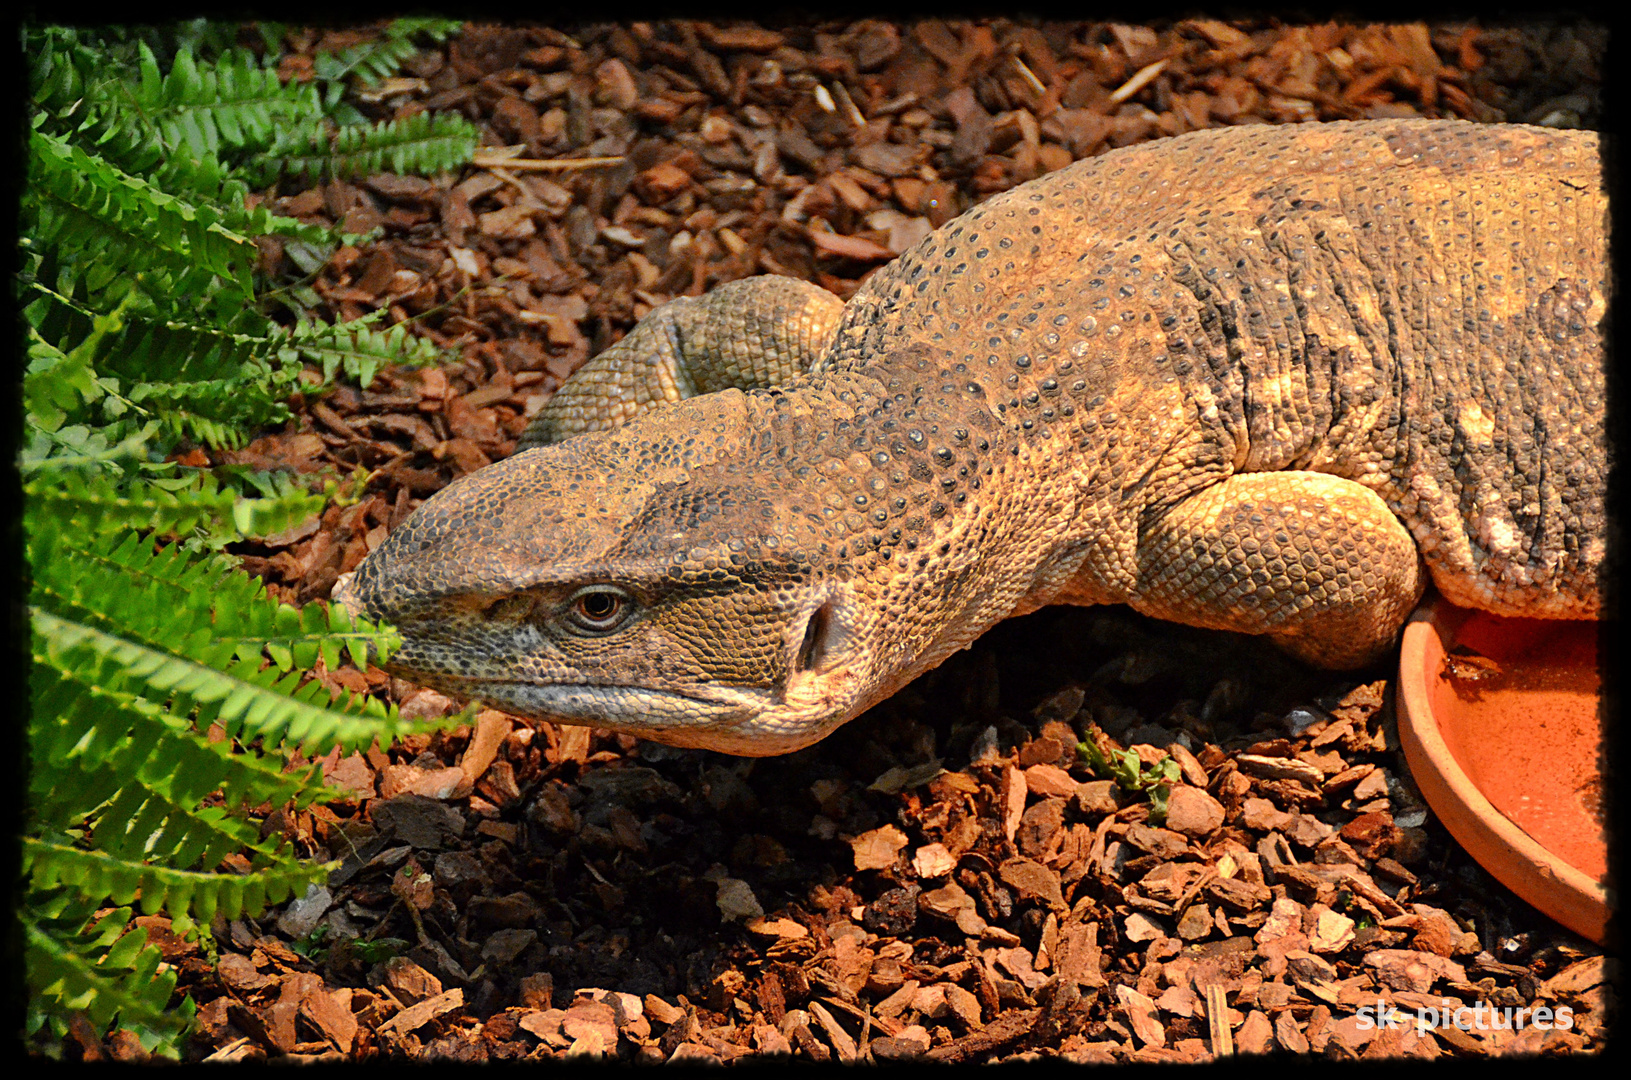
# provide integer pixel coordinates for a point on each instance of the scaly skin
(1269, 380)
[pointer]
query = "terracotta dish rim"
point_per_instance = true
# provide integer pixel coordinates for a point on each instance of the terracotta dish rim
(1558, 889)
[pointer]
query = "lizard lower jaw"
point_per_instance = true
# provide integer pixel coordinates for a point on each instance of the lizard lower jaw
(730, 720)
(638, 709)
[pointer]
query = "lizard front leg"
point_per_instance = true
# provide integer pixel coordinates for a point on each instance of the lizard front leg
(1316, 562)
(746, 334)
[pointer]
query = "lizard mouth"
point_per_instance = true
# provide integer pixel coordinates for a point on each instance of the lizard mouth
(619, 706)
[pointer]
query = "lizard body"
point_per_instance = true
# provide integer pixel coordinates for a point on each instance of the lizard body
(1266, 379)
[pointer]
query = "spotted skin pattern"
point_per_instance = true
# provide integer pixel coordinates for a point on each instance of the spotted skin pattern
(1265, 379)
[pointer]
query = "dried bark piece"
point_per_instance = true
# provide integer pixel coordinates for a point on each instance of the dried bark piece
(773, 1044)
(950, 901)
(1288, 1035)
(1039, 825)
(850, 247)
(331, 1012)
(1193, 812)
(1195, 923)
(1373, 835)
(239, 974)
(1169, 882)
(1141, 1015)
(1178, 999)
(1577, 978)
(1239, 894)
(1139, 927)
(428, 783)
(842, 1042)
(783, 929)
(1031, 879)
(933, 861)
(1263, 816)
(1333, 932)
(1191, 768)
(662, 182)
(1097, 797)
(1048, 780)
(1001, 1031)
(1276, 768)
(586, 1018)
(1407, 969)
(876, 850)
(1162, 843)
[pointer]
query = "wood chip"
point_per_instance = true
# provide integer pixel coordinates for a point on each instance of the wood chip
(877, 849)
(1003, 1030)
(1274, 768)
(1141, 1015)
(417, 1016)
(849, 247)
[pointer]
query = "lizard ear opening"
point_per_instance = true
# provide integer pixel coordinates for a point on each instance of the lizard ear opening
(817, 644)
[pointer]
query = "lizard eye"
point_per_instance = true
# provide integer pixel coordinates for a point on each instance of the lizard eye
(598, 609)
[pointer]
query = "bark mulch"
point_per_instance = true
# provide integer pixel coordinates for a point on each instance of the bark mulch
(944, 878)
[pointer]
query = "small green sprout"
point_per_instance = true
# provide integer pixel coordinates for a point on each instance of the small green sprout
(1128, 770)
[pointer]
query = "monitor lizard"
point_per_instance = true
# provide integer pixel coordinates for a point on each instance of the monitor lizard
(1270, 379)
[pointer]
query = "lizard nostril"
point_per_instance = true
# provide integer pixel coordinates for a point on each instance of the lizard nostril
(815, 647)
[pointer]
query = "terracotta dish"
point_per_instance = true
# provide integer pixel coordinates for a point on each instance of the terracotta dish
(1500, 725)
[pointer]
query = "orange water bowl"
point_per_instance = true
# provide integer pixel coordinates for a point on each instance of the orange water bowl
(1501, 726)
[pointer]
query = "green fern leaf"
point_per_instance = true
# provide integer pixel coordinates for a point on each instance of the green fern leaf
(79, 722)
(357, 349)
(137, 276)
(79, 976)
(91, 210)
(234, 104)
(372, 61)
(163, 888)
(421, 143)
(248, 703)
(196, 505)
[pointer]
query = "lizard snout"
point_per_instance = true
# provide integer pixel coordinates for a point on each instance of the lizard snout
(343, 595)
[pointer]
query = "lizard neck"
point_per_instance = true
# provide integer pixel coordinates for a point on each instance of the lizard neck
(953, 500)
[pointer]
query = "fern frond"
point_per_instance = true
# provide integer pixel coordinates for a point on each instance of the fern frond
(204, 37)
(60, 382)
(56, 385)
(200, 895)
(77, 447)
(77, 93)
(90, 725)
(107, 981)
(356, 348)
(159, 585)
(249, 702)
(372, 61)
(136, 823)
(137, 274)
(211, 180)
(146, 347)
(203, 109)
(193, 504)
(207, 385)
(219, 413)
(421, 143)
(92, 211)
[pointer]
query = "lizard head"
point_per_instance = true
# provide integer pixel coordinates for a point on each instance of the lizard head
(636, 580)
